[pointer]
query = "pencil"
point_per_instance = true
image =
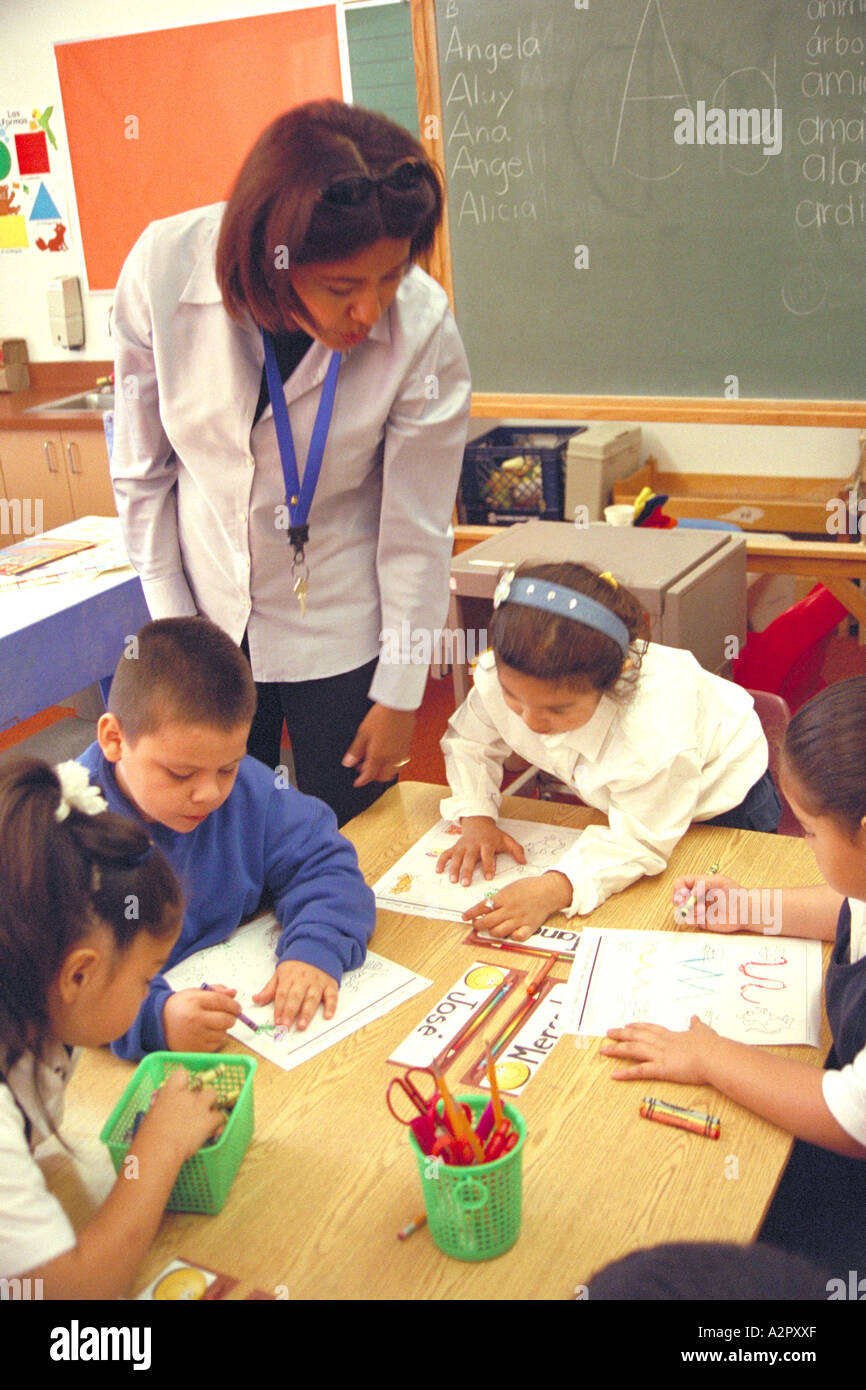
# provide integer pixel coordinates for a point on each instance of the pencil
(412, 1227)
(498, 944)
(498, 1116)
(473, 1024)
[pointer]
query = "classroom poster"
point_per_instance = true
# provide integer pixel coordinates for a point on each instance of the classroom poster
(33, 213)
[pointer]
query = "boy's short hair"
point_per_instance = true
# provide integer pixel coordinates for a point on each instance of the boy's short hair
(182, 670)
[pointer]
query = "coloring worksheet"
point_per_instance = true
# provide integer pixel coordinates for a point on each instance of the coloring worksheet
(414, 886)
(755, 989)
(245, 962)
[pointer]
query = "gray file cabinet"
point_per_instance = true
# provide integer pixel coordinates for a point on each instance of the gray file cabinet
(691, 583)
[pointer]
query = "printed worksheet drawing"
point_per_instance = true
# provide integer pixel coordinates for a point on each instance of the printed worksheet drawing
(754, 989)
(414, 887)
(246, 961)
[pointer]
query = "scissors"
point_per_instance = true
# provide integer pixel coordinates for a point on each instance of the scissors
(502, 1141)
(429, 1122)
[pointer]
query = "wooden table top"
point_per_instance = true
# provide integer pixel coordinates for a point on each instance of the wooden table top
(329, 1179)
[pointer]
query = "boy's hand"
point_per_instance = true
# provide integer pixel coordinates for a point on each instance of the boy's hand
(661, 1054)
(181, 1118)
(297, 989)
(197, 1020)
(707, 902)
(521, 908)
(482, 839)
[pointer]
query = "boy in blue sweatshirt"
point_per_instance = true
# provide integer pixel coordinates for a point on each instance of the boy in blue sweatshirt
(171, 752)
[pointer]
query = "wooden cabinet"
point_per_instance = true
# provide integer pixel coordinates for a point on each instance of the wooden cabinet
(86, 458)
(51, 476)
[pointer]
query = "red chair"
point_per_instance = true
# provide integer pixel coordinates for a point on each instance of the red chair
(775, 716)
(793, 640)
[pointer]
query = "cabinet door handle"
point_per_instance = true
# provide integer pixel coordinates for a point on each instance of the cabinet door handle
(48, 450)
(72, 456)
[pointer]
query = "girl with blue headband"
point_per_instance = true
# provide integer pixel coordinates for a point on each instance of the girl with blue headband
(639, 731)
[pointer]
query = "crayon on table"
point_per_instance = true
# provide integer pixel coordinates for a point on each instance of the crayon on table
(695, 1121)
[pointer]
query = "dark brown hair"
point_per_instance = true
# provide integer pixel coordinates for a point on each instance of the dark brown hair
(823, 754)
(275, 217)
(555, 648)
(58, 881)
(184, 670)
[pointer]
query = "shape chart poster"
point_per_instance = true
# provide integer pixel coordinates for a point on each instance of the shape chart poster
(33, 214)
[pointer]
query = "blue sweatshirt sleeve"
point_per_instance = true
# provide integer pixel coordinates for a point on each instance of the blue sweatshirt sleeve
(325, 909)
(146, 1034)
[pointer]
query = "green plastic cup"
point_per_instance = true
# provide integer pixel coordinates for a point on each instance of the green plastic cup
(474, 1212)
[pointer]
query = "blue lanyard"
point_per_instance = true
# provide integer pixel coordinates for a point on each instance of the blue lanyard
(299, 495)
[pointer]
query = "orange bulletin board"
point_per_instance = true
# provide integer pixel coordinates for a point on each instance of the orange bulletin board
(160, 122)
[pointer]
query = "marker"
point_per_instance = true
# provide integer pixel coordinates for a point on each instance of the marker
(540, 976)
(243, 1018)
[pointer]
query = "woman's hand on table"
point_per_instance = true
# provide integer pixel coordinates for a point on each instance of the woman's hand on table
(297, 990)
(661, 1054)
(381, 745)
(519, 909)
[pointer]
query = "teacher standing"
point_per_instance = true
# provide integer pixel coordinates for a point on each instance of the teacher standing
(309, 531)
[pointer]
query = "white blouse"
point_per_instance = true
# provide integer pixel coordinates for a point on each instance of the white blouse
(198, 488)
(684, 745)
(845, 1089)
(33, 1226)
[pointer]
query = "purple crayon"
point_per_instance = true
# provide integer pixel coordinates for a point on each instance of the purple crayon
(243, 1018)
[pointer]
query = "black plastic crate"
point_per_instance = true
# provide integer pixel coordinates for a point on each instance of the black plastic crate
(514, 474)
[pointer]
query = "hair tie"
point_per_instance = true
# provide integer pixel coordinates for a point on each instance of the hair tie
(565, 603)
(76, 790)
(610, 579)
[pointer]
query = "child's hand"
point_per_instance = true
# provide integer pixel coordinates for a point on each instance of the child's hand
(297, 989)
(481, 839)
(196, 1020)
(661, 1054)
(708, 902)
(180, 1118)
(521, 908)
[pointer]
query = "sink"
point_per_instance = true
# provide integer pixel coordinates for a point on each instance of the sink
(74, 405)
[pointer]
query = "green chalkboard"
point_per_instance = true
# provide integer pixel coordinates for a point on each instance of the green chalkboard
(380, 61)
(618, 228)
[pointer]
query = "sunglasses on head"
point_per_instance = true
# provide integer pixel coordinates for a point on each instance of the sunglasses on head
(356, 189)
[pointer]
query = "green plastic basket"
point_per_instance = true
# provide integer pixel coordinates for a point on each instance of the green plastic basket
(474, 1212)
(204, 1180)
